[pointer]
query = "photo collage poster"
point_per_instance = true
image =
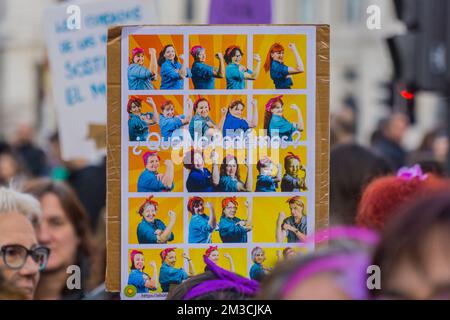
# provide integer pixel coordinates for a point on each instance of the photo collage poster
(218, 151)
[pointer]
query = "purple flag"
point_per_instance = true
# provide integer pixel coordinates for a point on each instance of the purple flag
(240, 12)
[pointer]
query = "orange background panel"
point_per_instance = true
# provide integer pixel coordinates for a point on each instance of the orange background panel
(158, 42)
(214, 44)
(159, 100)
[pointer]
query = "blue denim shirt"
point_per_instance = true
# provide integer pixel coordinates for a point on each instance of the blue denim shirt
(279, 73)
(199, 229)
(202, 75)
(148, 182)
(139, 77)
(230, 232)
(146, 231)
(169, 275)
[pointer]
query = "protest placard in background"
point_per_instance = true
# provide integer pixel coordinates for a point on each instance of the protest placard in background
(77, 60)
(240, 11)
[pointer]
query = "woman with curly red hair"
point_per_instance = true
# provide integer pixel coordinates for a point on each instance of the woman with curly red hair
(231, 228)
(384, 196)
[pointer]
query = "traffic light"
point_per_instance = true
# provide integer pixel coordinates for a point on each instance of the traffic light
(420, 57)
(397, 96)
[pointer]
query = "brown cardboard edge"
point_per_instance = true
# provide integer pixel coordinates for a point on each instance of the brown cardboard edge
(113, 141)
(113, 219)
(322, 126)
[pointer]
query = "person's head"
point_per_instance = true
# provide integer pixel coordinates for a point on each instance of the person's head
(343, 127)
(384, 196)
(65, 226)
(432, 153)
(229, 207)
(151, 161)
(440, 146)
(333, 272)
(24, 133)
(289, 253)
(202, 107)
(230, 167)
(194, 160)
(352, 168)
(134, 106)
(273, 107)
(137, 56)
(167, 54)
(233, 54)
(137, 260)
(258, 255)
(21, 258)
(168, 109)
(395, 127)
(292, 164)
(169, 256)
(212, 253)
(148, 209)
(11, 166)
(196, 205)
(276, 52)
(414, 252)
(198, 53)
(236, 108)
(215, 284)
(265, 166)
(297, 207)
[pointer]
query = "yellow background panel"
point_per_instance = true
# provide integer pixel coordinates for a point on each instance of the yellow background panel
(217, 204)
(262, 44)
(265, 220)
(154, 255)
(164, 205)
(277, 156)
(239, 256)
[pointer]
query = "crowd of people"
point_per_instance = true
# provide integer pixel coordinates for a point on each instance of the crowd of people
(389, 211)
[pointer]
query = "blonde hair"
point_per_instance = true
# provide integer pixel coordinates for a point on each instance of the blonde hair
(12, 200)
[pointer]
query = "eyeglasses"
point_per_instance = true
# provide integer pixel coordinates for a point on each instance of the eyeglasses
(15, 256)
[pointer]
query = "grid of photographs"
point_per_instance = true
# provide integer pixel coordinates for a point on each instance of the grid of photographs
(217, 151)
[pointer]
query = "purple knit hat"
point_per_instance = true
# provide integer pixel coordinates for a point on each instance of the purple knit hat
(226, 280)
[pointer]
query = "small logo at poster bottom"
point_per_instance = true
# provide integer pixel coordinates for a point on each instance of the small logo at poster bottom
(130, 291)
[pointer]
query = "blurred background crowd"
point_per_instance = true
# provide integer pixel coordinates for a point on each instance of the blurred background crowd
(380, 122)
